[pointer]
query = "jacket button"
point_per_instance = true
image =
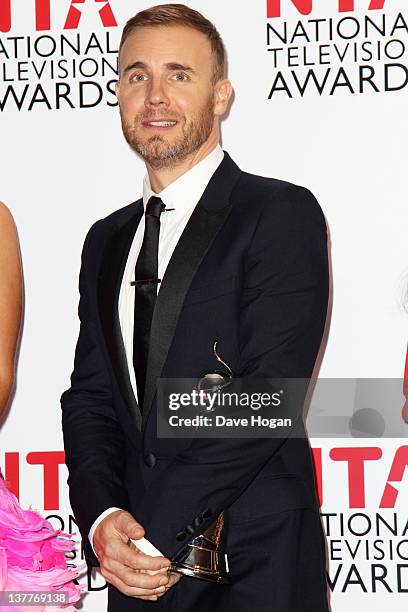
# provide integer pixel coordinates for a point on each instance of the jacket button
(150, 460)
(190, 529)
(197, 521)
(206, 513)
(181, 536)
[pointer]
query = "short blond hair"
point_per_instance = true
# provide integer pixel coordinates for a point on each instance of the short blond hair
(180, 14)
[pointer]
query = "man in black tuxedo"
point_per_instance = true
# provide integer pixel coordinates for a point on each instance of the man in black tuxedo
(209, 254)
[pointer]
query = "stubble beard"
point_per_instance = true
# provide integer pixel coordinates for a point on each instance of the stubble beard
(159, 152)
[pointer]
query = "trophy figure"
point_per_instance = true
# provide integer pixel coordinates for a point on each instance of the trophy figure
(214, 380)
(204, 557)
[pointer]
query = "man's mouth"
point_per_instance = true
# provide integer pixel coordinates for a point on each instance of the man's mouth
(160, 123)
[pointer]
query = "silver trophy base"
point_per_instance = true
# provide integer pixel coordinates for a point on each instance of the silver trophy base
(202, 563)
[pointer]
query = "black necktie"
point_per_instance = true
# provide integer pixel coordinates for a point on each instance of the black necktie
(146, 273)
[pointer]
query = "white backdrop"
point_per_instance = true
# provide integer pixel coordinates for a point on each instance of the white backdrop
(63, 168)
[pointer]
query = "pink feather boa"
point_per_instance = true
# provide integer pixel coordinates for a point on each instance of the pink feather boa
(32, 555)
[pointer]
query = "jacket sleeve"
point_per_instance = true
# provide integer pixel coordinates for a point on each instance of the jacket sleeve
(283, 308)
(93, 439)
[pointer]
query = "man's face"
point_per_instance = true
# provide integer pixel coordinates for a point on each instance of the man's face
(166, 94)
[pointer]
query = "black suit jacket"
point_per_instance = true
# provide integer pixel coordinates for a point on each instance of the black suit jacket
(250, 270)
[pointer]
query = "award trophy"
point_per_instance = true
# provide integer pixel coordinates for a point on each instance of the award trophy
(204, 557)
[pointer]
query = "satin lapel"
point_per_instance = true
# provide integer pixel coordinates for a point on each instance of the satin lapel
(109, 282)
(204, 224)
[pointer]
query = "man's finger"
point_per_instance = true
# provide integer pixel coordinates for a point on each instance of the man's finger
(138, 560)
(130, 591)
(154, 572)
(120, 551)
(127, 524)
(134, 578)
(174, 578)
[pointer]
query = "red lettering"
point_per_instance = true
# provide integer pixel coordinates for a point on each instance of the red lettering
(51, 460)
(305, 6)
(396, 473)
(74, 15)
(42, 14)
(348, 5)
(5, 15)
(274, 7)
(317, 465)
(376, 5)
(356, 458)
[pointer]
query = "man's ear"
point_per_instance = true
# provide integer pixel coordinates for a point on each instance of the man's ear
(117, 86)
(222, 95)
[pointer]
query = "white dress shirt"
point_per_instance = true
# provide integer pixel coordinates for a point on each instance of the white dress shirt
(180, 199)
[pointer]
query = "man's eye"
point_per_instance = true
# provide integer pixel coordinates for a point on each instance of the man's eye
(180, 76)
(139, 77)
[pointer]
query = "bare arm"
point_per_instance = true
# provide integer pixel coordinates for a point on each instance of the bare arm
(10, 302)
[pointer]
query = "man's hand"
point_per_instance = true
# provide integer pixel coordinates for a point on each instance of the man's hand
(132, 572)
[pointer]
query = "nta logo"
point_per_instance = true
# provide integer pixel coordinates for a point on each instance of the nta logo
(43, 14)
(305, 7)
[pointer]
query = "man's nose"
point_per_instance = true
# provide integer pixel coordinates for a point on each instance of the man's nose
(156, 93)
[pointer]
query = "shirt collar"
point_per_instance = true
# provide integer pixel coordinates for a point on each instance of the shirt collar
(185, 192)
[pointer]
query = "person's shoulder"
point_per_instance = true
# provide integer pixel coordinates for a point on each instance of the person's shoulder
(114, 219)
(9, 243)
(269, 188)
(6, 218)
(278, 197)
(7, 225)
(122, 215)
